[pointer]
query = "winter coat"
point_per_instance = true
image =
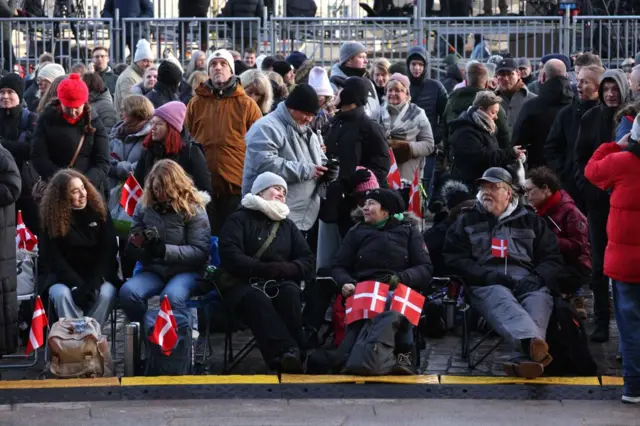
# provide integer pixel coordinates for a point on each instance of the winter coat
(357, 140)
(301, 8)
(597, 127)
(537, 116)
(187, 241)
(16, 129)
(531, 246)
(125, 151)
(110, 79)
(85, 257)
(191, 158)
(453, 77)
(369, 253)
(129, 77)
(615, 170)
(55, 141)
(242, 9)
(242, 235)
(128, 8)
(10, 187)
(219, 120)
(460, 101)
(31, 97)
(193, 8)
(560, 145)
(624, 126)
(276, 143)
(474, 150)
(139, 89)
(102, 106)
(409, 132)
(372, 108)
(160, 95)
(513, 104)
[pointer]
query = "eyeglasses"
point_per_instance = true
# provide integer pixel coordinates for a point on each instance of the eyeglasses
(492, 187)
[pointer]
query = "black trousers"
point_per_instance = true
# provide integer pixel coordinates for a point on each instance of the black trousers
(220, 208)
(276, 322)
(597, 221)
(317, 295)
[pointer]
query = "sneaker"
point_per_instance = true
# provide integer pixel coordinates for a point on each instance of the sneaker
(404, 365)
(630, 399)
(290, 362)
(601, 333)
(525, 368)
(539, 351)
(579, 306)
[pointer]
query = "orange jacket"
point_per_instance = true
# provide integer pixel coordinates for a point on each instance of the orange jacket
(219, 121)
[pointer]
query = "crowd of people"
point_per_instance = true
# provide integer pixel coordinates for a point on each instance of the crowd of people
(287, 164)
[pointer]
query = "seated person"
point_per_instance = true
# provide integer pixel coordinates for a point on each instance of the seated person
(264, 271)
(512, 293)
(170, 237)
(386, 246)
(77, 248)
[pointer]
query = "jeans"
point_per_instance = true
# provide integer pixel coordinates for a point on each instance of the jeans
(141, 287)
(626, 303)
(66, 307)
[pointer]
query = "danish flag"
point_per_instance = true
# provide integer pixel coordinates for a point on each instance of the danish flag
(408, 302)
(353, 315)
(38, 323)
(25, 239)
(370, 296)
(131, 193)
(164, 331)
(393, 178)
(499, 248)
(415, 201)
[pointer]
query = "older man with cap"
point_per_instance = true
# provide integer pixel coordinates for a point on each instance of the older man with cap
(218, 117)
(508, 258)
(283, 143)
(524, 68)
(353, 63)
(131, 76)
(511, 89)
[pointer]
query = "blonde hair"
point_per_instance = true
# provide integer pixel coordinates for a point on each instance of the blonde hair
(178, 187)
(196, 79)
(259, 80)
(137, 106)
(394, 83)
(381, 65)
(50, 95)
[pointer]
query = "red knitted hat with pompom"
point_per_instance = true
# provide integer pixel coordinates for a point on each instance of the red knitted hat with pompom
(73, 92)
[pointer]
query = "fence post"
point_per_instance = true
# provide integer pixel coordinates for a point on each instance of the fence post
(566, 32)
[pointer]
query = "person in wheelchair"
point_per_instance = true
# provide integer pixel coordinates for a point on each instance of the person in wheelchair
(77, 248)
(263, 259)
(169, 237)
(509, 260)
(385, 246)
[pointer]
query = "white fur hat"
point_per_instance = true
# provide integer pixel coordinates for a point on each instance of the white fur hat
(319, 80)
(222, 54)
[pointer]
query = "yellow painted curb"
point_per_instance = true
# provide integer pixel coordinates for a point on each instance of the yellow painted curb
(200, 380)
(479, 380)
(304, 379)
(60, 383)
(612, 381)
(430, 379)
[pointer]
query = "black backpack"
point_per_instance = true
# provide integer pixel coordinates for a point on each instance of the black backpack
(568, 343)
(180, 361)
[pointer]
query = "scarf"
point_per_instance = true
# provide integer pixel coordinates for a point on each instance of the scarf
(273, 209)
(398, 216)
(549, 204)
(130, 128)
(483, 120)
(399, 121)
(353, 72)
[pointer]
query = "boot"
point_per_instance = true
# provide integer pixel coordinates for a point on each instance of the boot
(601, 333)
(523, 368)
(539, 351)
(290, 362)
(404, 365)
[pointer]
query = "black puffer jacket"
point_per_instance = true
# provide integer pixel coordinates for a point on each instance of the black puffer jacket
(161, 94)
(10, 186)
(31, 97)
(368, 253)
(191, 8)
(16, 129)
(357, 140)
(242, 9)
(536, 118)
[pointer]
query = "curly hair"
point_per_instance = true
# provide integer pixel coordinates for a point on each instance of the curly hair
(55, 208)
(177, 186)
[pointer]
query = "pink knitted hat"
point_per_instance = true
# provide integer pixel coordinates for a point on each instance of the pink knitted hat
(372, 183)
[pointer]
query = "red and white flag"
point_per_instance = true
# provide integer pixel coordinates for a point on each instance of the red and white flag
(393, 178)
(131, 193)
(408, 302)
(353, 315)
(499, 248)
(415, 200)
(164, 331)
(38, 323)
(25, 239)
(370, 296)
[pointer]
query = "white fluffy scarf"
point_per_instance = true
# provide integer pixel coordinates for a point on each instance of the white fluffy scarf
(275, 210)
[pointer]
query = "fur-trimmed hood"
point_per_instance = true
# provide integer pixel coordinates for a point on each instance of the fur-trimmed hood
(302, 73)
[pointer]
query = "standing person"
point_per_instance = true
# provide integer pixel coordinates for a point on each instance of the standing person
(193, 9)
(149, 81)
(380, 76)
(142, 60)
(250, 58)
(511, 89)
(77, 248)
(7, 10)
(219, 117)
(100, 101)
(634, 82)
(100, 60)
(198, 62)
(524, 68)
(286, 71)
(50, 95)
(597, 127)
(166, 88)
(130, 9)
(319, 80)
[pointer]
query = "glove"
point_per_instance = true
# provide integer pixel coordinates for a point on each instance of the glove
(527, 285)
(392, 280)
(501, 279)
(157, 249)
(401, 150)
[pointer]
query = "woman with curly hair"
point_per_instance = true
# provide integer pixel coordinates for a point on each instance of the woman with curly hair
(77, 248)
(169, 237)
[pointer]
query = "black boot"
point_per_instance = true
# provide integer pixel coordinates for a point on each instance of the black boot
(290, 362)
(601, 333)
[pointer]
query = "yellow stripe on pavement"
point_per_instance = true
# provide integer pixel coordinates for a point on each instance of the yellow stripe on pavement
(200, 380)
(430, 379)
(606, 381)
(305, 379)
(480, 380)
(59, 383)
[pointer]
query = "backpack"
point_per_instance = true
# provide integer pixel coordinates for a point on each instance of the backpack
(568, 343)
(373, 353)
(78, 349)
(180, 361)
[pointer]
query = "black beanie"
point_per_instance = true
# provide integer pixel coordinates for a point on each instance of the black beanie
(14, 82)
(303, 98)
(267, 63)
(282, 67)
(356, 91)
(389, 199)
(169, 74)
(240, 67)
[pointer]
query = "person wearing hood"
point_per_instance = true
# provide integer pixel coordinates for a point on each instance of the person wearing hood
(258, 87)
(614, 167)
(452, 77)
(385, 246)
(219, 117)
(167, 86)
(428, 94)
(100, 61)
(355, 139)
(266, 291)
(596, 128)
(131, 76)
(537, 115)
(512, 90)
(560, 144)
(353, 63)
(511, 289)
(100, 101)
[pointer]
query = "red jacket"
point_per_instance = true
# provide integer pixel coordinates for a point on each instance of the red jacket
(570, 226)
(611, 168)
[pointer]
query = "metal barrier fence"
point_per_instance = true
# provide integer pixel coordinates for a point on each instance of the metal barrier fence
(613, 38)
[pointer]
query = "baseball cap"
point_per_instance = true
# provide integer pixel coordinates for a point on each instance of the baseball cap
(524, 62)
(495, 175)
(506, 64)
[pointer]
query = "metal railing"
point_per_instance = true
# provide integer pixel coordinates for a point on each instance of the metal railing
(613, 38)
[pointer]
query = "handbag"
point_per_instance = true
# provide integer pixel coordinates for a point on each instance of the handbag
(225, 280)
(40, 187)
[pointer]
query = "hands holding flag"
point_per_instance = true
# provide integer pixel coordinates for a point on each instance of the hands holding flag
(370, 298)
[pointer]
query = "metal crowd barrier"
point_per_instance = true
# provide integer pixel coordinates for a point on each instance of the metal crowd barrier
(613, 38)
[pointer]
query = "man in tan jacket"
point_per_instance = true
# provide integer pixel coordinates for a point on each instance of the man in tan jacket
(218, 117)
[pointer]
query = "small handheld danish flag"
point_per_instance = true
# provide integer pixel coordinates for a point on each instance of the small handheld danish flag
(131, 193)
(370, 295)
(408, 302)
(394, 180)
(353, 315)
(499, 248)
(38, 323)
(164, 331)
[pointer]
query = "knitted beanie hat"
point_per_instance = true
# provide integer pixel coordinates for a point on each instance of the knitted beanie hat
(402, 79)
(265, 181)
(319, 80)
(349, 49)
(368, 185)
(222, 54)
(143, 51)
(296, 59)
(173, 113)
(14, 82)
(169, 74)
(303, 98)
(73, 92)
(282, 67)
(389, 199)
(50, 72)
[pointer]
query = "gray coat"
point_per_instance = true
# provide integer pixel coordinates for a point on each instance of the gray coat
(277, 144)
(513, 105)
(102, 106)
(372, 108)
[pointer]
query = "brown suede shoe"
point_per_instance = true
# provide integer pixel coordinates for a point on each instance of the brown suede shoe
(539, 351)
(526, 369)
